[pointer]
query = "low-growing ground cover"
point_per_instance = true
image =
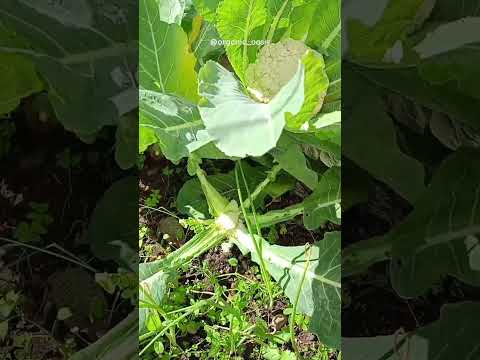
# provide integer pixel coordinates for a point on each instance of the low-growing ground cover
(240, 205)
(47, 267)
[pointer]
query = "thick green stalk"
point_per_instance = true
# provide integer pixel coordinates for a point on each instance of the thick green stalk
(119, 343)
(278, 216)
(216, 202)
(257, 244)
(200, 243)
(272, 175)
(295, 305)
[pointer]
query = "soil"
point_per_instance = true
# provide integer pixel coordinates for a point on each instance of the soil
(31, 171)
(372, 293)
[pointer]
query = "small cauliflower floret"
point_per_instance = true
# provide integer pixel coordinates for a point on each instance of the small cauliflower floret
(276, 65)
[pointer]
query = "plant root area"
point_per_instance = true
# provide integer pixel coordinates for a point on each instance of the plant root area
(236, 320)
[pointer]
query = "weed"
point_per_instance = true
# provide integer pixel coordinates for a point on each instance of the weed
(32, 230)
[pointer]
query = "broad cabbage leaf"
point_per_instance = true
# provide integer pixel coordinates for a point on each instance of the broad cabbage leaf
(237, 124)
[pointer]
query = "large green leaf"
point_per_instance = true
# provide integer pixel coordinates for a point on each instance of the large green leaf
(289, 154)
(320, 295)
(316, 85)
(325, 36)
(375, 28)
(372, 144)
(206, 46)
(19, 81)
(166, 65)
(20, 78)
(238, 125)
(434, 341)
(171, 11)
(279, 13)
(207, 9)
(301, 19)
(318, 142)
(112, 232)
(146, 137)
(174, 122)
(443, 98)
(325, 30)
(446, 10)
(90, 80)
(152, 289)
(450, 53)
(445, 225)
(241, 21)
(324, 204)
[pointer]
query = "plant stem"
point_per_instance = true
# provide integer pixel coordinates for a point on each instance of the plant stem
(278, 216)
(272, 175)
(192, 309)
(200, 243)
(120, 342)
(360, 256)
(295, 304)
(258, 246)
(276, 21)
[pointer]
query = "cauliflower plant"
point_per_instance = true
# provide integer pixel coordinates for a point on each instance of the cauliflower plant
(276, 64)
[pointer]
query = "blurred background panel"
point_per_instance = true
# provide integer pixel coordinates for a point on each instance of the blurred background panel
(411, 178)
(68, 178)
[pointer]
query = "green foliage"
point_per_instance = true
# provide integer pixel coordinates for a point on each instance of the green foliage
(37, 53)
(19, 74)
(153, 199)
(411, 110)
(125, 282)
(274, 102)
(241, 21)
(36, 225)
(255, 130)
(436, 335)
(111, 223)
(174, 73)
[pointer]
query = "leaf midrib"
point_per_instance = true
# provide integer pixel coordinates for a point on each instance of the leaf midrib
(150, 25)
(281, 262)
